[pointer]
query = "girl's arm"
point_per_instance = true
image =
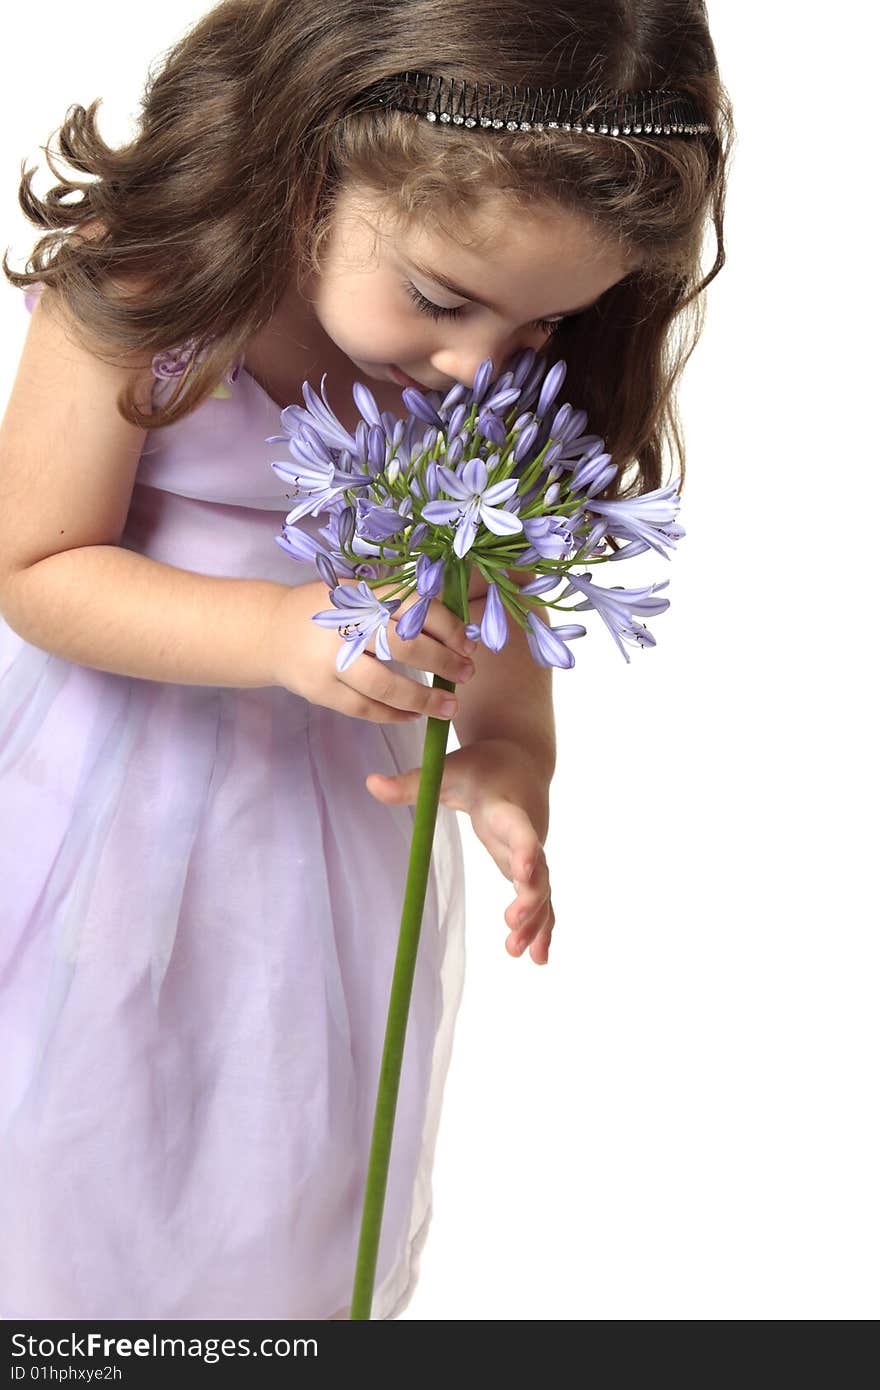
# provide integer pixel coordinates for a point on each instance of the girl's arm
(68, 463)
(117, 610)
(510, 697)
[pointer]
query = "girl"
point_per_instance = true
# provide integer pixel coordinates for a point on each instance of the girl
(202, 896)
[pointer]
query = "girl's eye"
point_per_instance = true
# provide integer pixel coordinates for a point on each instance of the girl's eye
(437, 311)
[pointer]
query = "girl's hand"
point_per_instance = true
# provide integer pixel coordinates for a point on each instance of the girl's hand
(506, 796)
(303, 660)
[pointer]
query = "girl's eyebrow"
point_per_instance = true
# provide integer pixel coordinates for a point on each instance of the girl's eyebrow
(450, 285)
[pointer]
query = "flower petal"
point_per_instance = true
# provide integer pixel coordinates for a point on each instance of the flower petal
(494, 628)
(501, 521)
(366, 404)
(351, 649)
(440, 511)
(453, 483)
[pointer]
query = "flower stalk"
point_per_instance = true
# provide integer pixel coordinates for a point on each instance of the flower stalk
(455, 588)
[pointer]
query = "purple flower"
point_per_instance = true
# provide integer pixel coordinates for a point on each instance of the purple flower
(419, 405)
(482, 378)
(395, 488)
(429, 575)
(366, 404)
(410, 624)
(377, 523)
(525, 440)
(616, 607)
(648, 518)
(550, 389)
(345, 523)
(552, 537)
(542, 584)
(306, 549)
(493, 629)
(469, 487)
(326, 570)
(501, 399)
(318, 484)
(594, 472)
(547, 644)
(357, 615)
(320, 417)
(491, 427)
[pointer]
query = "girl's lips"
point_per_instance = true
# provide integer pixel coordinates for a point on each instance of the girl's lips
(403, 380)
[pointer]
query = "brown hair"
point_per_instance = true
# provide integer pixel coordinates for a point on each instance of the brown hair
(246, 133)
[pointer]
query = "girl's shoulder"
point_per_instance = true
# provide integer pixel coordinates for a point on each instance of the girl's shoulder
(64, 397)
(160, 366)
(137, 367)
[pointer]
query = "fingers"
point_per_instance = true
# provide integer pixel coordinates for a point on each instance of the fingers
(361, 707)
(535, 935)
(540, 946)
(374, 682)
(441, 647)
(441, 623)
(429, 655)
(530, 916)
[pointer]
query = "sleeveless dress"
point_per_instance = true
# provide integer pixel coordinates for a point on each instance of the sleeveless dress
(201, 904)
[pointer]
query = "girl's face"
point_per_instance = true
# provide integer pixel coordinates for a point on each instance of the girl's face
(382, 301)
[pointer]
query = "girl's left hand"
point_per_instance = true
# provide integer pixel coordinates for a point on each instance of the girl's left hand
(507, 798)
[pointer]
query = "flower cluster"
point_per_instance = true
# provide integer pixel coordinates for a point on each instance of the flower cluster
(497, 476)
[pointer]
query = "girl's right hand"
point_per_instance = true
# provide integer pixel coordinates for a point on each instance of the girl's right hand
(303, 660)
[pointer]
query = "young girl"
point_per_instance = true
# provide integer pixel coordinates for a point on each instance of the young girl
(203, 854)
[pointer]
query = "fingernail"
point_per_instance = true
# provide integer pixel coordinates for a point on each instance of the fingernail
(470, 645)
(448, 706)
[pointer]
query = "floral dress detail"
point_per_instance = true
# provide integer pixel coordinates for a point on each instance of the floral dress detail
(173, 363)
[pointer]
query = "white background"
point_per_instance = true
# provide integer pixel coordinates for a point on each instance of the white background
(677, 1118)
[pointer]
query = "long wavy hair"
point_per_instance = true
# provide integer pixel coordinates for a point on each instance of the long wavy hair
(246, 133)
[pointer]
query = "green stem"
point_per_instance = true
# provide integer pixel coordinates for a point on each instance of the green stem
(436, 737)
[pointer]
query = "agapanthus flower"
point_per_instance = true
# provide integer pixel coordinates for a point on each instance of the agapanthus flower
(499, 476)
(493, 629)
(616, 607)
(357, 615)
(547, 644)
(648, 519)
(470, 487)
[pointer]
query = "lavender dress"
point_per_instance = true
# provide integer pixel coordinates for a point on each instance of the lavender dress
(201, 903)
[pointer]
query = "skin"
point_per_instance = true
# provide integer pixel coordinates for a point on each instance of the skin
(354, 322)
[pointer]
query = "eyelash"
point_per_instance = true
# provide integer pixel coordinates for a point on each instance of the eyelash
(437, 311)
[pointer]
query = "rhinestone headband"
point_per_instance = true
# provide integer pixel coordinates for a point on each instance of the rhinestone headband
(656, 112)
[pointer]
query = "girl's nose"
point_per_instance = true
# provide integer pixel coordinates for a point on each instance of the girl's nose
(461, 360)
